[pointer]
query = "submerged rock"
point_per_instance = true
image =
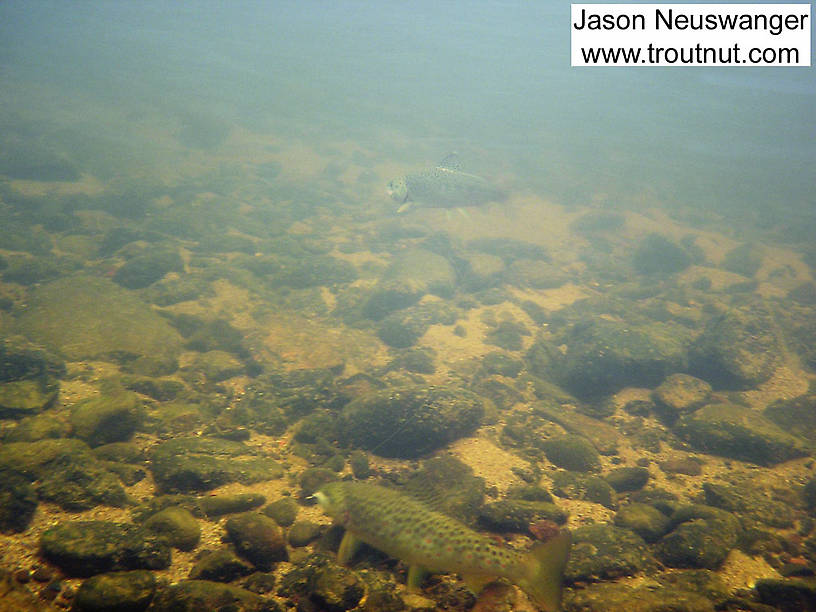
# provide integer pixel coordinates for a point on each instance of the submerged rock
(258, 539)
(117, 591)
(107, 418)
(680, 394)
(206, 595)
(411, 275)
(85, 548)
(602, 357)
(737, 350)
(83, 317)
(192, 464)
(740, 433)
(604, 552)
(411, 421)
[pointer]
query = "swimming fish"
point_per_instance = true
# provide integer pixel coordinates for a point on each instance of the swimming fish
(444, 186)
(430, 541)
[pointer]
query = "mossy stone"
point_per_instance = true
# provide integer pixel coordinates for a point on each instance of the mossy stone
(176, 525)
(83, 317)
(302, 533)
(190, 464)
(516, 515)
(283, 511)
(217, 365)
(658, 255)
(24, 397)
(603, 552)
(18, 501)
(646, 521)
(129, 591)
(258, 539)
(144, 270)
(738, 432)
(572, 453)
(219, 505)
(112, 417)
(627, 478)
(208, 595)
(85, 548)
(410, 421)
(220, 566)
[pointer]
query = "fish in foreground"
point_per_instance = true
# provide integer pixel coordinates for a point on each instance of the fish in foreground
(429, 541)
(444, 186)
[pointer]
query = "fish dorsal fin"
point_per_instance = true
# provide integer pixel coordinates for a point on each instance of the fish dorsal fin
(451, 162)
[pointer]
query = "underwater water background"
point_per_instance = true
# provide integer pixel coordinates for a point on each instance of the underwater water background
(413, 81)
(210, 307)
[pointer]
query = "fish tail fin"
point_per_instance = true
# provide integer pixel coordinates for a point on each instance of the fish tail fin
(545, 565)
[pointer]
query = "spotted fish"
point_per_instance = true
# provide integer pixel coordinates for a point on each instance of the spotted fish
(444, 186)
(429, 541)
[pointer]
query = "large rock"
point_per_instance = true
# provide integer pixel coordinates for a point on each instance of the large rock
(411, 275)
(607, 552)
(797, 415)
(185, 465)
(107, 418)
(738, 432)
(258, 539)
(85, 548)
(68, 473)
(603, 356)
(410, 421)
(205, 595)
(28, 377)
(117, 591)
(83, 317)
(737, 349)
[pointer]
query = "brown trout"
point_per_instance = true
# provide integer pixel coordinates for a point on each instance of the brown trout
(430, 541)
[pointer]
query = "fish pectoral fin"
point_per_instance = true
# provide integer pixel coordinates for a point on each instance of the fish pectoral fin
(348, 546)
(477, 583)
(416, 575)
(404, 207)
(463, 212)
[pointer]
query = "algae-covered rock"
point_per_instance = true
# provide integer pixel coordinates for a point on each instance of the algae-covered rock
(410, 421)
(573, 453)
(680, 394)
(199, 464)
(83, 317)
(85, 548)
(68, 473)
(603, 552)
(745, 259)
(326, 585)
(449, 486)
(283, 511)
(106, 418)
(702, 538)
(402, 329)
(37, 427)
(144, 270)
(516, 515)
(189, 595)
(411, 275)
(177, 526)
(258, 539)
(658, 255)
(218, 365)
(645, 520)
(218, 505)
(738, 349)
(738, 432)
(572, 485)
(788, 595)
(116, 592)
(749, 501)
(303, 532)
(796, 415)
(605, 356)
(24, 397)
(220, 566)
(18, 501)
(661, 593)
(627, 478)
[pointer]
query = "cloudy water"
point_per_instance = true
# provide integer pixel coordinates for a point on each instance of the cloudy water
(250, 248)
